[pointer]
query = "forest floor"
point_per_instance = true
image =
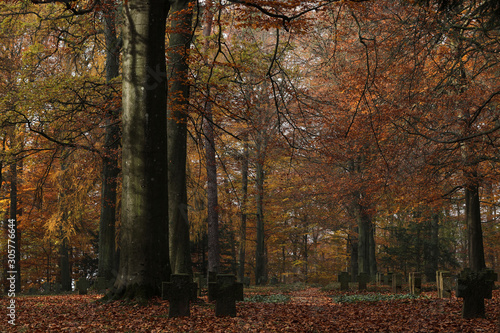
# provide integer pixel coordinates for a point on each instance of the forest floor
(265, 309)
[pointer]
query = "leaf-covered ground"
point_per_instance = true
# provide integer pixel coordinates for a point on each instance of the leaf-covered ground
(305, 310)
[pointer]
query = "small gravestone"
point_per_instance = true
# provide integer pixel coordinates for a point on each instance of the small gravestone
(443, 283)
(32, 291)
(397, 283)
(101, 284)
(82, 285)
(246, 281)
(226, 293)
(388, 279)
(179, 293)
(212, 282)
(201, 283)
(363, 279)
(379, 279)
(474, 287)
(344, 279)
(45, 288)
(415, 282)
(57, 288)
(274, 281)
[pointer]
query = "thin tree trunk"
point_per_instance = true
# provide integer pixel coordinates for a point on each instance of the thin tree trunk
(211, 165)
(14, 222)
(64, 265)
(178, 93)
(144, 227)
(475, 234)
(110, 170)
(243, 225)
(260, 255)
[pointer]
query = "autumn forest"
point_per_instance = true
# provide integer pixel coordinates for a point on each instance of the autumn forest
(280, 141)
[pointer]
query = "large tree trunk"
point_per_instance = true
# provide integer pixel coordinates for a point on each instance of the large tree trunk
(178, 102)
(144, 226)
(211, 164)
(110, 170)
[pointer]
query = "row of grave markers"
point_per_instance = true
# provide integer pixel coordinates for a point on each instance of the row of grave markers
(444, 282)
(222, 288)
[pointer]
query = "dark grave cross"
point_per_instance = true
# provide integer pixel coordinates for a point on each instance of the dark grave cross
(179, 292)
(82, 285)
(474, 287)
(363, 279)
(344, 279)
(415, 282)
(226, 291)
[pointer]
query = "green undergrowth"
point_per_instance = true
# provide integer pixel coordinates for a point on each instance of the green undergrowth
(274, 298)
(375, 297)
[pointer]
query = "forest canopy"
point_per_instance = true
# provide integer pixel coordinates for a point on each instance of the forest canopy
(276, 140)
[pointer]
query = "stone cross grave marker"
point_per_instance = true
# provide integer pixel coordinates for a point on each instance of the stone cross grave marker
(363, 279)
(226, 292)
(474, 287)
(179, 292)
(344, 279)
(397, 283)
(443, 283)
(82, 285)
(415, 282)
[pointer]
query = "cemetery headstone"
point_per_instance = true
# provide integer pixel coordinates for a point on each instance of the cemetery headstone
(246, 281)
(363, 279)
(101, 284)
(179, 293)
(212, 282)
(274, 281)
(57, 288)
(397, 283)
(388, 279)
(379, 279)
(226, 293)
(344, 279)
(474, 287)
(82, 285)
(46, 288)
(443, 283)
(415, 282)
(32, 291)
(201, 283)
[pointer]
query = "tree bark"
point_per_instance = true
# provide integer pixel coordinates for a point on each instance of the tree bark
(474, 230)
(211, 166)
(14, 222)
(110, 170)
(243, 225)
(260, 255)
(144, 261)
(178, 102)
(64, 265)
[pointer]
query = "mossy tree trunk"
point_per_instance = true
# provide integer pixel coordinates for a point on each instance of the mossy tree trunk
(178, 102)
(144, 261)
